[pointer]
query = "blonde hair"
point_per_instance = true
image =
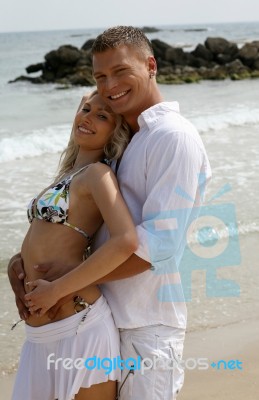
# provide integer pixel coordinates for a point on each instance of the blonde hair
(112, 150)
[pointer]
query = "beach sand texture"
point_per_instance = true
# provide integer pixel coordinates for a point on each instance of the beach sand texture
(239, 341)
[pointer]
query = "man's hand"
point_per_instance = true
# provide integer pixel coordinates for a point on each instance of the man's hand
(16, 276)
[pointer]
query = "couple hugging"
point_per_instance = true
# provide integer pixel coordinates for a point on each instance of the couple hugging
(95, 279)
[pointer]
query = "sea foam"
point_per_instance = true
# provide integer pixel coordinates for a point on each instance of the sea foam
(228, 119)
(52, 139)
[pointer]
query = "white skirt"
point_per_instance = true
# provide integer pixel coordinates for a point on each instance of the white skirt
(53, 355)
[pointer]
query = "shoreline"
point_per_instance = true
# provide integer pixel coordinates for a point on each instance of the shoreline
(239, 341)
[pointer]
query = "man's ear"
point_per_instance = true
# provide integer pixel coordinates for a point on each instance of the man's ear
(152, 65)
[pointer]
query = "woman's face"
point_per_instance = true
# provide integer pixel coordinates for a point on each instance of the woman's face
(94, 124)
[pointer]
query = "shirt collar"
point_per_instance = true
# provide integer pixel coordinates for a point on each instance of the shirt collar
(150, 116)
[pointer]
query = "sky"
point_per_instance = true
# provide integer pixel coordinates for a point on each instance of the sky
(34, 15)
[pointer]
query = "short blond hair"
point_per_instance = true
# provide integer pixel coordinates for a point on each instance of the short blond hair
(123, 35)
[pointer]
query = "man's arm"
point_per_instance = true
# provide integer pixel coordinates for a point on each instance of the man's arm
(16, 276)
(134, 265)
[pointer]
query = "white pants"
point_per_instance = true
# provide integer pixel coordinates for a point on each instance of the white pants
(152, 368)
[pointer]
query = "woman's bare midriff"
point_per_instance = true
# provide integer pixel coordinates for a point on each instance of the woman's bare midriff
(61, 248)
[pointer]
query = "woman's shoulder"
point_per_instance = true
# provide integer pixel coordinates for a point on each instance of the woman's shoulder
(98, 177)
(97, 170)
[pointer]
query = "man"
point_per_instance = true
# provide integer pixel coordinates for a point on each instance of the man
(161, 174)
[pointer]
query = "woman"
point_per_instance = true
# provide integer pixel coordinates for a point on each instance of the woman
(64, 218)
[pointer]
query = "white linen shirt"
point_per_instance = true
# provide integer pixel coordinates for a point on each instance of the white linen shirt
(158, 178)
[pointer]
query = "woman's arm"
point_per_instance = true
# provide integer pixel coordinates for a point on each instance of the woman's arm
(103, 188)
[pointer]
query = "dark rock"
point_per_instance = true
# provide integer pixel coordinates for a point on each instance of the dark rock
(256, 64)
(236, 65)
(88, 44)
(166, 70)
(82, 77)
(28, 79)
(176, 56)
(241, 75)
(202, 52)
(248, 54)
(198, 62)
(218, 59)
(160, 48)
(255, 74)
(48, 76)
(67, 54)
(162, 63)
(78, 76)
(179, 75)
(237, 70)
(217, 73)
(255, 43)
(223, 58)
(63, 71)
(221, 46)
(196, 30)
(149, 29)
(34, 68)
(85, 59)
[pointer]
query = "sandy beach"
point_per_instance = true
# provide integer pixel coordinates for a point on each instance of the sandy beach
(238, 341)
(236, 338)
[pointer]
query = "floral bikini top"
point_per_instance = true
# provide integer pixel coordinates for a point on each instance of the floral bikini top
(53, 205)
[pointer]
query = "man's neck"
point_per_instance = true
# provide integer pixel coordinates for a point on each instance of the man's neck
(132, 119)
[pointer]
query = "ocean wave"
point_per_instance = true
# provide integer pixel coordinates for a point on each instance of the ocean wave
(226, 120)
(52, 139)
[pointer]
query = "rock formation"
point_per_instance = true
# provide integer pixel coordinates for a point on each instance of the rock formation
(216, 59)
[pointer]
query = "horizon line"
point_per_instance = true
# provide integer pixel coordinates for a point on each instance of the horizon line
(138, 26)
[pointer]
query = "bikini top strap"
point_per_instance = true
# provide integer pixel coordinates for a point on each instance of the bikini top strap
(77, 172)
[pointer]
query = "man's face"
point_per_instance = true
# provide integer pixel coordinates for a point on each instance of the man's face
(122, 79)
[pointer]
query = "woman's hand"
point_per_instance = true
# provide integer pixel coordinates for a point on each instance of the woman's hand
(42, 297)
